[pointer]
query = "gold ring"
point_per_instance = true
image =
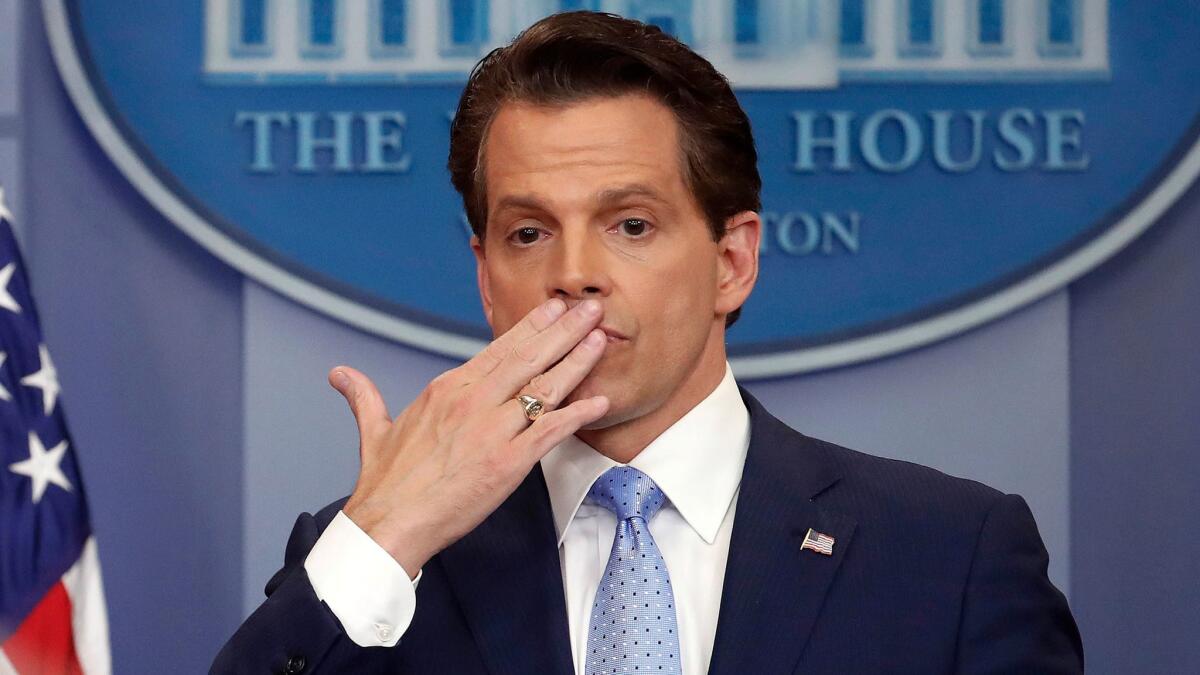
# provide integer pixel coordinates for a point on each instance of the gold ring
(532, 406)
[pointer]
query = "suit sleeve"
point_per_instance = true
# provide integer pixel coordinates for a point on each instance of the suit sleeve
(292, 631)
(1013, 619)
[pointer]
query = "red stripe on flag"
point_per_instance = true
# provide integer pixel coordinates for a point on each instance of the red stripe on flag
(44, 643)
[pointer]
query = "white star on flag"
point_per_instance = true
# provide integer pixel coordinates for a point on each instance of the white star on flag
(45, 379)
(4, 212)
(4, 392)
(6, 299)
(42, 467)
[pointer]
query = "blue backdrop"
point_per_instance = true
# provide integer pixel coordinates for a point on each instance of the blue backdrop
(203, 423)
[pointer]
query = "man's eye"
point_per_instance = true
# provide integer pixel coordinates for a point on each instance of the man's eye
(634, 227)
(526, 235)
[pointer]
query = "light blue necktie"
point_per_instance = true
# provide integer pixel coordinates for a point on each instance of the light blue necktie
(633, 626)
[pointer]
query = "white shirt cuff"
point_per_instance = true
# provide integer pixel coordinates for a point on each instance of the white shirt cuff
(368, 591)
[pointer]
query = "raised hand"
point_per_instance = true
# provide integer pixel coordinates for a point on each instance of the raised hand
(463, 446)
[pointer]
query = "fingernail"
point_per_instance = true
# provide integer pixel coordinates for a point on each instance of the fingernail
(340, 380)
(595, 338)
(555, 308)
(590, 307)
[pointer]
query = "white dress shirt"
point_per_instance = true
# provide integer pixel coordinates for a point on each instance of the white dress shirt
(697, 463)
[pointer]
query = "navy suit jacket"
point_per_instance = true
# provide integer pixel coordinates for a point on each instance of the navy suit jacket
(929, 574)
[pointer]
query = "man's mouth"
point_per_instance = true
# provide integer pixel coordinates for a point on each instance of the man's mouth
(614, 335)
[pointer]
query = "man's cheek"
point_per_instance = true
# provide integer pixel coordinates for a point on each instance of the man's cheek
(508, 308)
(503, 320)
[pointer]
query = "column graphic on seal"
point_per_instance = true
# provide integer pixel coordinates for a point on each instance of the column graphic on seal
(796, 44)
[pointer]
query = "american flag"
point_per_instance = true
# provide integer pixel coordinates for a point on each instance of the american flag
(52, 614)
(818, 542)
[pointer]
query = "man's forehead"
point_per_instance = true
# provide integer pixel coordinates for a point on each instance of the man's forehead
(601, 195)
(630, 125)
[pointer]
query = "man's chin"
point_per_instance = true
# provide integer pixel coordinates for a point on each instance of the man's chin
(622, 405)
(592, 387)
(620, 411)
(594, 384)
(612, 419)
(597, 425)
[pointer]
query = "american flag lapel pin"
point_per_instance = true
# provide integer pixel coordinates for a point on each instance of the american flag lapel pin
(818, 542)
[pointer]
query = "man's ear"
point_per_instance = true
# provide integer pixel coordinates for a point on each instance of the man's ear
(737, 261)
(481, 277)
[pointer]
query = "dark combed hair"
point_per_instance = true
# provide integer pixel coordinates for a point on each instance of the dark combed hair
(572, 56)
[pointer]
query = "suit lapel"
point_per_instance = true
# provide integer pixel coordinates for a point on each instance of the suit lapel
(506, 576)
(773, 589)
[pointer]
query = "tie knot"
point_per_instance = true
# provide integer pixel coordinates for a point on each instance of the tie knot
(627, 492)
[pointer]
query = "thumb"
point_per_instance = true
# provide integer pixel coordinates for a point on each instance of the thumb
(364, 399)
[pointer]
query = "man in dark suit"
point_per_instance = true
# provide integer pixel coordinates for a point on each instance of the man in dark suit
(593, 493)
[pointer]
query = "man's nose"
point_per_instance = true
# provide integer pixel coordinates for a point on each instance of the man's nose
(580, 268)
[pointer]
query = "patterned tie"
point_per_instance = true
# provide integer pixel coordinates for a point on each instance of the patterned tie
(633, 619)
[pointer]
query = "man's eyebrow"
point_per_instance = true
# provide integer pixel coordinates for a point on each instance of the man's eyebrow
(616, 194)
(605, 196)
(527, 202)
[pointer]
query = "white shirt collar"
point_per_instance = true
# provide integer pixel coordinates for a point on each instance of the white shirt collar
(697, 462)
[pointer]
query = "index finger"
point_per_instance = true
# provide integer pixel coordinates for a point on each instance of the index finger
(539, 319)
